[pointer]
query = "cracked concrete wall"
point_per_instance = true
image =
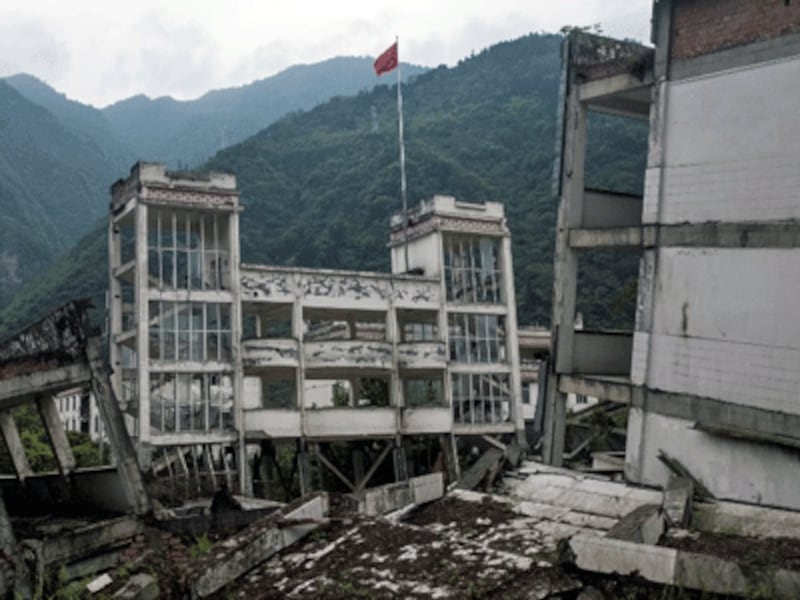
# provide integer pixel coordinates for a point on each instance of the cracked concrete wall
(338, 289)
(57, 340)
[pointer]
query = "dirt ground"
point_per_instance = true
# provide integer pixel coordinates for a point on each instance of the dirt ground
(756, 552)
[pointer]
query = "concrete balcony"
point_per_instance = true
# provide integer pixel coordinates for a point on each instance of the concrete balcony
(272, 424)
(422, 355)
(427, 420)
(348, 355)
(270, 353)
(329, 423)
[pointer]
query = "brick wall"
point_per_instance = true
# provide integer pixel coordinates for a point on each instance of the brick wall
(704, 26)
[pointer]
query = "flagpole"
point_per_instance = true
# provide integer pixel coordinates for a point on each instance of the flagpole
(403, 188)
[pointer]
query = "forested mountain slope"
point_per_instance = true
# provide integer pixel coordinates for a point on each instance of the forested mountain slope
(318, 187)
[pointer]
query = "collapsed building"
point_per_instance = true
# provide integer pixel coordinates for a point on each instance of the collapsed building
(225, 360)
(213, 361)
(710, 372)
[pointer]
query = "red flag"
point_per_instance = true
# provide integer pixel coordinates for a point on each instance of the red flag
(387, 61)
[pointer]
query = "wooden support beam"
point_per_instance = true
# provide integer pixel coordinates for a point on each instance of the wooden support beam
(14, 444)
(58, 436)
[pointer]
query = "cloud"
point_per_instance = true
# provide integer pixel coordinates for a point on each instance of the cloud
(165, 58)
(27, 45)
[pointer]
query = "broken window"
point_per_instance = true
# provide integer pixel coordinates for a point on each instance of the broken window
(278, 393)
(476, 338)
(472, 269)
(418, 325)
(261, 321)
(187, 250)
(190, 402)
(193, 331)
(481, 398)
(333, 325)
(423, 391)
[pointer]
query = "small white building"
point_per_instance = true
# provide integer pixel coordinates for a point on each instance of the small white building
(78, 412)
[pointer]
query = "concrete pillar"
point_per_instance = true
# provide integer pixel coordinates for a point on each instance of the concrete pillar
(399, 460)
(142, 326)
(358, 465)
(114, 304)
(565, 268)
(14, 444)
(57, 434)
(512, 343)
(303, 468)
(114, 426)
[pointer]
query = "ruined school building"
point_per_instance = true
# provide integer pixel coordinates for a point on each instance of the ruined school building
(711, 371)
(207, 351)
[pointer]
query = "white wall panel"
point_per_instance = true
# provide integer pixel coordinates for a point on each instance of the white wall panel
(748, 374)
(732, 148)
(732, 469)
(729, 294)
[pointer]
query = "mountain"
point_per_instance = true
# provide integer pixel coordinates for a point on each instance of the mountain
(81, 120)
(54, 185)
(318, 187)
(58, 157)
(186, 133)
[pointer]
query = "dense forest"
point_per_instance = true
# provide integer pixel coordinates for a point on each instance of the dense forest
(319, 187)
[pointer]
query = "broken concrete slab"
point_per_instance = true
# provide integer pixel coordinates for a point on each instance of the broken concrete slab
(139, 587)
(415, 491)
(680, 470)
(643, 525)
(609, 556)
(677, 501)
(744, 519)
(686, 570)
(70, 546)
(471, 477)
(99, 583)
(243, 552)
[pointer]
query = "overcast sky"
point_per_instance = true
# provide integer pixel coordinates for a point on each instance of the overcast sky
(100, 51)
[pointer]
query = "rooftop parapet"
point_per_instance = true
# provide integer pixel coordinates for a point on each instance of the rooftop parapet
(597, 57)
(447, 213)
(156, 176)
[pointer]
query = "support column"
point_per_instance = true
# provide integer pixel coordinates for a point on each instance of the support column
(14, 444)
(399, 459)
(565, 268)
(358, 466)
(122, 448)
(58, 437)
(303, 468)
(448, 447)
(142, 431)
(15, 575)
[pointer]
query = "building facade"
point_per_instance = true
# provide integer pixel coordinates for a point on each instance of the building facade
(711, 371)
(232, 358)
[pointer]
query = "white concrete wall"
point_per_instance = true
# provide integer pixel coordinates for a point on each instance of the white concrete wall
(729, 468)
(732, 147)
(725, 326)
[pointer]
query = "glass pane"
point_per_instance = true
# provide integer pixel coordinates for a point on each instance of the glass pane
(212, 345)
(197, 347)
(212, 316)
(182, 270)
(168, 269)
(183, 345)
